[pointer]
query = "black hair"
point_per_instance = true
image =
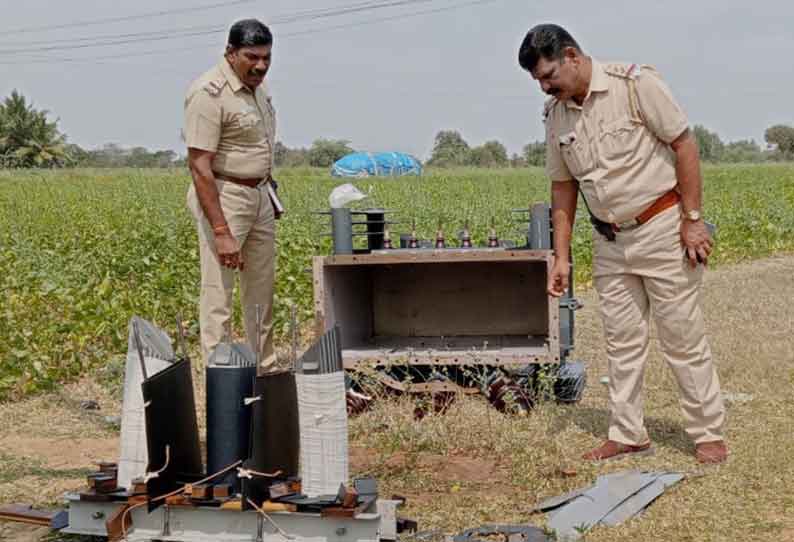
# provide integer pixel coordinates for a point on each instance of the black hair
(546, 41)
(249, 33)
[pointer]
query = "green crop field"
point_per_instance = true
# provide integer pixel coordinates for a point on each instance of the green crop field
(81, 251)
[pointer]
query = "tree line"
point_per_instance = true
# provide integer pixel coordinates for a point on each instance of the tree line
(28, 139)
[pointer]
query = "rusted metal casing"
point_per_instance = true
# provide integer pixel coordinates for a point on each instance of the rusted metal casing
(439, 307)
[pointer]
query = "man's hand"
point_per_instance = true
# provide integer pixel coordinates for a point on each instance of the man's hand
(696, 241)
(559, 277)
(228, 250)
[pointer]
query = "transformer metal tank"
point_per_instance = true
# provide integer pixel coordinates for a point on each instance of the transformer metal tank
(459, 308)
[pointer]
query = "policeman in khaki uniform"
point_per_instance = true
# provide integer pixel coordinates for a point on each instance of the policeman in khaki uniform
(615, 133)
(230, 129)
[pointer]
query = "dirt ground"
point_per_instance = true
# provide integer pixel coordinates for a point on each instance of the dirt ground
(473, 465)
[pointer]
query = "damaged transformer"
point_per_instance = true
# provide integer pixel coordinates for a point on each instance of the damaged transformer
(431, 317)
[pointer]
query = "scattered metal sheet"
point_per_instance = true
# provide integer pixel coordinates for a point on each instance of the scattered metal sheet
(275, 439)
(155, 345)
(171, 430)
(590, 507)
(510, 533)
(556, 502)
(640, 500)
(614, 498)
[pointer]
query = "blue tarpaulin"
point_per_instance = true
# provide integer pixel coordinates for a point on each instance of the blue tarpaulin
(380, 164)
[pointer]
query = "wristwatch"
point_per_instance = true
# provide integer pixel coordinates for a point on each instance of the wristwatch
(692, 214)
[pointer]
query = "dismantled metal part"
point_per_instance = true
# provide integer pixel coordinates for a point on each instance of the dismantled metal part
(155, 343)
(437, 401)
(322, 415)
(228, 417)
(506, 395)
(357, 402)
(275, 439)
(570, 382)
(613, 499)
(158, 355)
(324, 356)
(205, 524)
(139, 347)
(26, 514)
(171, 430)
(640, 500)
(232, 355)
(509, 533)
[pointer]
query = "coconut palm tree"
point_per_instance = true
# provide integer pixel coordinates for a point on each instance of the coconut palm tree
(27, 138)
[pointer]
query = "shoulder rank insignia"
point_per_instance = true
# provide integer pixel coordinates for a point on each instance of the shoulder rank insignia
(624, 71)
(214, 88)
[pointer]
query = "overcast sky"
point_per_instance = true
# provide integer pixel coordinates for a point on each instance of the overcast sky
(391, 85)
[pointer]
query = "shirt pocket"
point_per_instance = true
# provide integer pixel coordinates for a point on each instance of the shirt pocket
(618, 139)
(577, 156)
(247, 126)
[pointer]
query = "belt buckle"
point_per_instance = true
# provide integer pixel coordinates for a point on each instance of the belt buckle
(628, 225)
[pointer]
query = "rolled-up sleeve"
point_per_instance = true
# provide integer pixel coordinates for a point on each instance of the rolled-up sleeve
(203, 117)
(556, 169)
(663, 115)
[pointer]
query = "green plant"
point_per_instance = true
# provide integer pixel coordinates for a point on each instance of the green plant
(81, 251)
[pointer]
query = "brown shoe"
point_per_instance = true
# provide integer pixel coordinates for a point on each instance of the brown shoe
(614, 450)
(711, 452)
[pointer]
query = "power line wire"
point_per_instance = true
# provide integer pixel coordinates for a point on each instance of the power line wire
(284, 18)
(174, 33)
(155, 52)
(110, 20)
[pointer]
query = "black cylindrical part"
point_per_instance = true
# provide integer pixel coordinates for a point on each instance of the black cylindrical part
(228, 419)
(275, 442)
(376, 223)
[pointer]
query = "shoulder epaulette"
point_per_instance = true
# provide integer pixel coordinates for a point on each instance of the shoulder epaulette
(213, 88)
(630, 73)
(624, 71)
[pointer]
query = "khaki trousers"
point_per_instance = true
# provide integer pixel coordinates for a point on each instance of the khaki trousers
(644, 271)
(250, 216)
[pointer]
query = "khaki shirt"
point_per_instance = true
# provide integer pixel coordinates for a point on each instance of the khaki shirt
(223, 116)
(617, 143)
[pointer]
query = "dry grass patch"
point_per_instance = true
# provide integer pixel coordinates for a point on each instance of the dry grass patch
(474, 465)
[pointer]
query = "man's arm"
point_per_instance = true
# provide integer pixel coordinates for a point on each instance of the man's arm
(227, 247)
(200, 164)
(666, 119)
(563, 213)
(694, 234)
